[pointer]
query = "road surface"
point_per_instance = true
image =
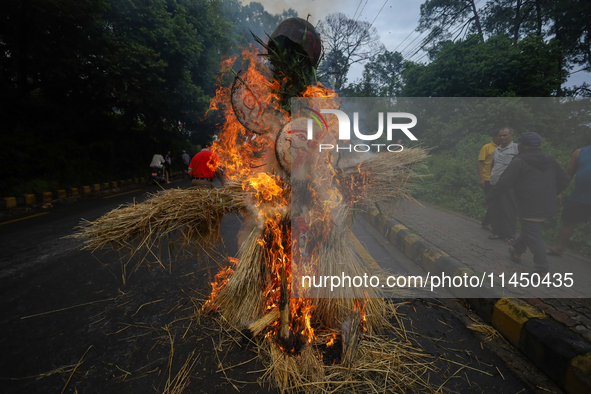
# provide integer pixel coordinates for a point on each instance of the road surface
(69, 322)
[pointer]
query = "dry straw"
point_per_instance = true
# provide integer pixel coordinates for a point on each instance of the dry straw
(370, 362)
(137, 226)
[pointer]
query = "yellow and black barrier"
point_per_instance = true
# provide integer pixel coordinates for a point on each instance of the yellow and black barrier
(49, 196)
(562, 354)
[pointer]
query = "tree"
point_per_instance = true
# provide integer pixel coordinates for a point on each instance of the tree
(252, 19)
(564, 21)
(516, 18)
(335, 69)
(495, 67)
(93, 88)
(439, 16)
(346, 41)
(381, 77)
(572, 28)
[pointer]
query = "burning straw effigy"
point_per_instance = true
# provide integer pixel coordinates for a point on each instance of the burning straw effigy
(297, 207)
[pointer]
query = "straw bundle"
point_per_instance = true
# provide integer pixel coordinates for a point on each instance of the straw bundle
(332, 308)
(376, 364)
(241, 299)
(196, 211)
(382, 178)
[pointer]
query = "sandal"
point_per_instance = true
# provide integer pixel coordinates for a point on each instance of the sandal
(494, 237)
(511, 241)
(512, 256)
(551, 252)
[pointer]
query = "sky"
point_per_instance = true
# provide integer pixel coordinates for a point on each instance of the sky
(395, 21)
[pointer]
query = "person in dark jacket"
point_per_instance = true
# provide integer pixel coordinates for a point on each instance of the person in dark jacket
(537, 179)
(578, 207)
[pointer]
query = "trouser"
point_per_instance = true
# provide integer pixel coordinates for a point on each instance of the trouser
(202, 183)
(504, 215)
(531, 237)
(486, 221)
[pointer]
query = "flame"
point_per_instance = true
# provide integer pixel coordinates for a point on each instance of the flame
(319, 91)
(267, 188)
(331, 339)
(239, 151)
(360, 307)
(236, 147)
(219, 282)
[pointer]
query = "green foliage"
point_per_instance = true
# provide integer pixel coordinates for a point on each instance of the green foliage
(90, 90)
(491, 68)
(252, 20)
(291, 67)
(381, 77)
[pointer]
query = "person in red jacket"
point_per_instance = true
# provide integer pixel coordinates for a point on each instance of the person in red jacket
(204, 167)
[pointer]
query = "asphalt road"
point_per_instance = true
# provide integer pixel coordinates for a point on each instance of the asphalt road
(69, 323)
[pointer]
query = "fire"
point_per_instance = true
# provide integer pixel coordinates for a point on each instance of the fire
(331, 339)
(219, 282)
(238, 148)
(240, 151)
(319, 91)
(360, 307)
(267, 188)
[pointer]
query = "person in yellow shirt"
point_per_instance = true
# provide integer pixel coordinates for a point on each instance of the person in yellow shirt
(484, 169)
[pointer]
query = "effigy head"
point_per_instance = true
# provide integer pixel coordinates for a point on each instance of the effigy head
(299, 33)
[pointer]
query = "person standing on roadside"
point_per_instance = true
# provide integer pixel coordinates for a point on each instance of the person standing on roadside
(503, 208)
(186, 159)
(167, 165)
(484, 168)
(537, 179)
(578, 207)
(204, 166)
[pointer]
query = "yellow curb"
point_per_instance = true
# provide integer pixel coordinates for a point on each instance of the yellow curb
(430, 257)
(572, 381)
(373, 218)
(29, 199)
(74, 191)
(394, 232)
(363, 253)
(106, 185)
(97, 187)
(409, 240)
(10, 202)
(114, 184)
(509, 316)
(86, 189)
(47, 197)
(61, 194)
(465, 270)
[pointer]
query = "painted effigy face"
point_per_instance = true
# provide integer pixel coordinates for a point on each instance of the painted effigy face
(292, 148)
